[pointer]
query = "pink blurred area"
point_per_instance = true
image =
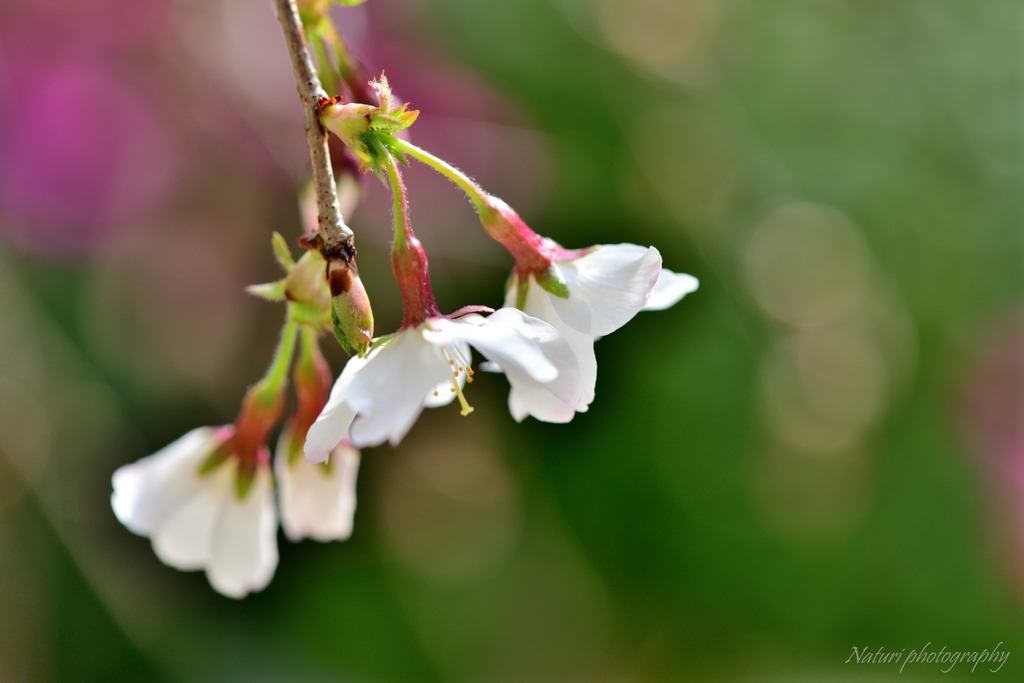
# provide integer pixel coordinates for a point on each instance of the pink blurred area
(116, 114)
(992, 422)
(82, 151)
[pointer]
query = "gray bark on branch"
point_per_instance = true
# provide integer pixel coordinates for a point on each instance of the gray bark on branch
(335, 236)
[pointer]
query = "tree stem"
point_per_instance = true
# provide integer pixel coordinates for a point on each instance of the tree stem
(331, 227)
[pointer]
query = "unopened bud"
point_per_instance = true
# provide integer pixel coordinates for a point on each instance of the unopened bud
(347, 121)
(350, 307)
(306, 283)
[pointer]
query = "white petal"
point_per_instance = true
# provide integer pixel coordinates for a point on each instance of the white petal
(525, 399)
(539, 304)
(147, 491)
(243, 549)
(183, 540)
(512, 291)
(388, 391)
(508, 337)
(335, 419)
(444, 392)
(607, 287)
(529, 398)
(316, 501)
(669, 289)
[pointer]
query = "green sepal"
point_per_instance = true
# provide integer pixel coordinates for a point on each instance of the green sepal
(523, 288)
(349, 3)
(294, 447)
(327, 466)
(552, 282)
(281, 251)
(244, 478)
(390, 122)
(270, 291)
(382, 89)
(214, 460)
(306, 313)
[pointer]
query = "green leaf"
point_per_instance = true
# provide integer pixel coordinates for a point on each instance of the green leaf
(523, 290)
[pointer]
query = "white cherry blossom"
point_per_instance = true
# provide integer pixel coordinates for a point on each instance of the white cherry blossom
(607, 286)
(378, 398)
(196, 520)
(318, 500)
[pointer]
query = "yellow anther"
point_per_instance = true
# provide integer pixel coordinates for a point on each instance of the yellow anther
(435, 393)
(451, 362)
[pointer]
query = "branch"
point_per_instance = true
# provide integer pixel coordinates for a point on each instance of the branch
(335, 236)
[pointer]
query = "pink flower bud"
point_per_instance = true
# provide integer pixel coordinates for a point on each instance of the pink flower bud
(347, 121)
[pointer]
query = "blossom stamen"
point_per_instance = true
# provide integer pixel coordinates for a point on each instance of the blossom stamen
(466, 408)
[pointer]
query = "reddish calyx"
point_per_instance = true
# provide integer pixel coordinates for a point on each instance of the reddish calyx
(533, 254)
(409, 265)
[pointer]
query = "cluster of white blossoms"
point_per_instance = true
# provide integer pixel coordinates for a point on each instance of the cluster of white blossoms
(207, 500)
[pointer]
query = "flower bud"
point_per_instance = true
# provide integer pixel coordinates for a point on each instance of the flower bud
(306, 284)
(351, 314)
(347, 121)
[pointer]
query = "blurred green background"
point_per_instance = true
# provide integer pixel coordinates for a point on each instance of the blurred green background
(821, 448)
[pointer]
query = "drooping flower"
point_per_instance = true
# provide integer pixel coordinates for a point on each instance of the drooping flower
(207, 500)
(379, 397)
(316, 500)
(584, 294)
(186, 499)
(427, 362)
(605, 287)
